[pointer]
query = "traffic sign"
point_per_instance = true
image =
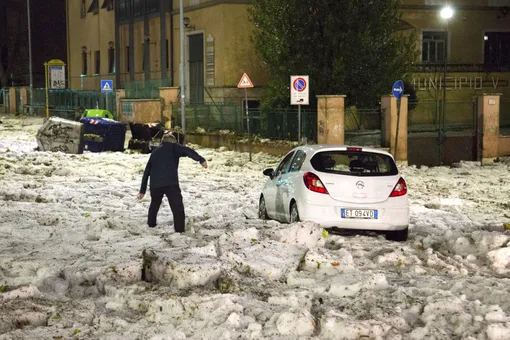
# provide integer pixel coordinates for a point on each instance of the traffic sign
(245, 82)
(106, 85)
(398, 89)
(299, 94)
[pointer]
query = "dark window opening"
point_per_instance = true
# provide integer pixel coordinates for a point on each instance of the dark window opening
(433, 47)
(128, 61)
(496, 49)
(84, 68)
(111, 60)
(83, 9)
(152, 6)
(143, 57)
(354, 163)
(94, 7)
(123, 9)
(97, 58)
(108, 4)
(167, 55)
(137, 7)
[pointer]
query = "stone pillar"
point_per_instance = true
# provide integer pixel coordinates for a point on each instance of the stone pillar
(119, 94)
(399, 142)
(330, 119)
(23, 92)
(169, 96)
(388, 105)
(12, 100)
(488, 126)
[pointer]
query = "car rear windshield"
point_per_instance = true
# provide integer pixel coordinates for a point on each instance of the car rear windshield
(354, 163)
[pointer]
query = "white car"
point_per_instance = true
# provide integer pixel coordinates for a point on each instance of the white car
(338, 186)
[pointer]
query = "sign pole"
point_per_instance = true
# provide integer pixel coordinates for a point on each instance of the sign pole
(46, 83)
(106, 104)
(248, 120)
(299, 124)
(399, 102)
(246, 83)
(398, 92)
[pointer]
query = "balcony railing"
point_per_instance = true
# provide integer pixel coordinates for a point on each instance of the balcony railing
(439, 67)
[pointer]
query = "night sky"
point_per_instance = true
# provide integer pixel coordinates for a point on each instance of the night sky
(48, 22)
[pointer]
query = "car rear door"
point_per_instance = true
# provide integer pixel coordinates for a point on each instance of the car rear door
(274, 200)
(286, 188)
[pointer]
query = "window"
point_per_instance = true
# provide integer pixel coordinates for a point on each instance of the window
(137, 7)
(83, 9)
(108, 4)
(152, 6)
(84, 65)
(354, 163)
(94, 7)
(298, 161)
(97, 60)
(167, 55)
(123, 9)
(497, 49)
(128, 59)
(284, 165)
(111, 60)
(143, 57)
(433, 47)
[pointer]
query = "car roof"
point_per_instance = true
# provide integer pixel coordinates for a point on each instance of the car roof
(313, 148)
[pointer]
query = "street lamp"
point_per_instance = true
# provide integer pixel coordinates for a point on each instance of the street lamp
(30, 61)
(182, 65)
(446, 14)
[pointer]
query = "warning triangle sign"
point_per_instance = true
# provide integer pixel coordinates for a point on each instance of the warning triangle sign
(245, 82)
(107, 87)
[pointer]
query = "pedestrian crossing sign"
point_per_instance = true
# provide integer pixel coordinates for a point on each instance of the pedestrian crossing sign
(245, 82)
(106, 85)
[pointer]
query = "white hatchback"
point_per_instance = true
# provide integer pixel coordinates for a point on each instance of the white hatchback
(338, 186)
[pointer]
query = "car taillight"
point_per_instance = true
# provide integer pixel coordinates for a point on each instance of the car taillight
(400, 189)
(355, 149)
(313, 183)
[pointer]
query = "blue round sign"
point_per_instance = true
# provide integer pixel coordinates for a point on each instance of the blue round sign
(398, 89)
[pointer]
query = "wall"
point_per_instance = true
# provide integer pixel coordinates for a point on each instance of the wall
(216, 141)
(93, 31)
(504, 146)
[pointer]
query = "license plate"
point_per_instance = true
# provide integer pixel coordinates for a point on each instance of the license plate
(359, 213)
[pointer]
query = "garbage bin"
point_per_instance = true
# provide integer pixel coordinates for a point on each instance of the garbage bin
(103, 134)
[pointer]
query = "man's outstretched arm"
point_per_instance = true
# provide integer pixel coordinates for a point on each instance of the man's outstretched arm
(145, 180)
(184, 151)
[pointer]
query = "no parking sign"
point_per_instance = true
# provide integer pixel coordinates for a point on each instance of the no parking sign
(299, 90)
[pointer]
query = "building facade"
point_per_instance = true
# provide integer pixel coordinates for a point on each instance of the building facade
(138, 40)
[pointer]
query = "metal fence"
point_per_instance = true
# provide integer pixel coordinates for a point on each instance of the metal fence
(64, 103)
(504, 117)
(427, 115)
(276, 124)
(145, 89)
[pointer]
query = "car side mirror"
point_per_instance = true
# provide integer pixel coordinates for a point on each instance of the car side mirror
(269, 172)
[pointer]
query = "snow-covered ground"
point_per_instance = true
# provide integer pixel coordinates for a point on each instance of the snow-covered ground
(77, 261)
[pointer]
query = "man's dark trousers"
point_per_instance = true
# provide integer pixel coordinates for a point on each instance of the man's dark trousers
(173, 193)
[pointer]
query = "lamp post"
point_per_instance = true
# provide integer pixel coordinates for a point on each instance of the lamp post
(446, 14)
(183, 89)
(30, 61)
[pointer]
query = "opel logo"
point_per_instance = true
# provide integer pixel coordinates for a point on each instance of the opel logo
(360, 185)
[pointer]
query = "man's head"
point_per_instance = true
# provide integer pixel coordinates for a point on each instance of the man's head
(168, 138)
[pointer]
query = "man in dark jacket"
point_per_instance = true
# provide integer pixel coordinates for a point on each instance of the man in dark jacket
(162, 169)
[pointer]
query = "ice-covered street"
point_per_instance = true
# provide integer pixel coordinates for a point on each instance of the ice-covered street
(74, 241)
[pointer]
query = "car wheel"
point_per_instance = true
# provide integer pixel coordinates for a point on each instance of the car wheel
(398, 235)
(294, 214)
(262, 209)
